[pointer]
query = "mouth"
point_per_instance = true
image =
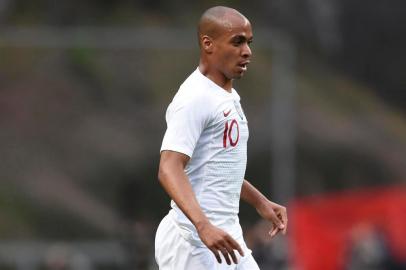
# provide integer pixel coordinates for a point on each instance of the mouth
(243, 65)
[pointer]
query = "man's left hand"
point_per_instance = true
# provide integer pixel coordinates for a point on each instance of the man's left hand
(276, 214)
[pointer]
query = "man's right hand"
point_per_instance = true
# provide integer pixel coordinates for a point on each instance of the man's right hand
(217, 241)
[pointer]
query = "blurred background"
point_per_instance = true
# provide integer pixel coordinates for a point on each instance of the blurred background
(84, 87)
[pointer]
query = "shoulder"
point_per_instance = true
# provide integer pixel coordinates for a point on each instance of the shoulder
(196, 93)
(235, 94)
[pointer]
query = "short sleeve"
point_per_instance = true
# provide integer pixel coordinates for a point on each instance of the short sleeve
(186, 120)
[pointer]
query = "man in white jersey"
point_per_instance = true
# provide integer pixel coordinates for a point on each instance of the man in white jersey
(204, 156)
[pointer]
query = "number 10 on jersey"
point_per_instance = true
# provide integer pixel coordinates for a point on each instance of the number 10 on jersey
(231, 133)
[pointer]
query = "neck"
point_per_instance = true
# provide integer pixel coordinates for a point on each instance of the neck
(216, 76)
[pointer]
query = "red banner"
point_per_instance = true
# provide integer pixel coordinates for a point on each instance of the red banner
(325, 228)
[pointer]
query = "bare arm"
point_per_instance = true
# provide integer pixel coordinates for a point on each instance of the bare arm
(176, 183)
(268, 210)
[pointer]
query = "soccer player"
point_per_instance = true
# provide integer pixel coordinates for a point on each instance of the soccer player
(204, 156)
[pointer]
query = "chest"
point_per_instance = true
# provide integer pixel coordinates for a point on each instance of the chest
(229, 127)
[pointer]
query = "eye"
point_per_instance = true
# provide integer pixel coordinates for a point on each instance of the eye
(237, 41)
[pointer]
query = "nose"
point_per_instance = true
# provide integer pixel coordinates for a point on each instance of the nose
(246, 51)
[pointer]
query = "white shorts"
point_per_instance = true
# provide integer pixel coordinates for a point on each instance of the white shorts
(173, 252)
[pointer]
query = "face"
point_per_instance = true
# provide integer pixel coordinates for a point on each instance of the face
(231, 50)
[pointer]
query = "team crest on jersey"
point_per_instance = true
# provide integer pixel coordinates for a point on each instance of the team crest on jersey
(239, 109)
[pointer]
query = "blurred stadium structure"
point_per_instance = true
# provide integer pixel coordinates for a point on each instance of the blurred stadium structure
(83, 93)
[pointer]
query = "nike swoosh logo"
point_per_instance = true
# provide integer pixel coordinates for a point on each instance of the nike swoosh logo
(226, 113)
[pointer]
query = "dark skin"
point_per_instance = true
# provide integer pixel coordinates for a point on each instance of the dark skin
(224, 39)
(224, 47)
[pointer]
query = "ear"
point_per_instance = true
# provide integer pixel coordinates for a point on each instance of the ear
(207, 44)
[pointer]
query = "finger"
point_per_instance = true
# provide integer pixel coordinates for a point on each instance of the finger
(284, 219)
(274, 231)
(225, 254)
(216, 254)
(284, 216)
(231, 252)
(278, 221)
(235, 245)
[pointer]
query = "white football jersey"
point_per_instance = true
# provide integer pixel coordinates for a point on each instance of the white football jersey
(207, 123)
